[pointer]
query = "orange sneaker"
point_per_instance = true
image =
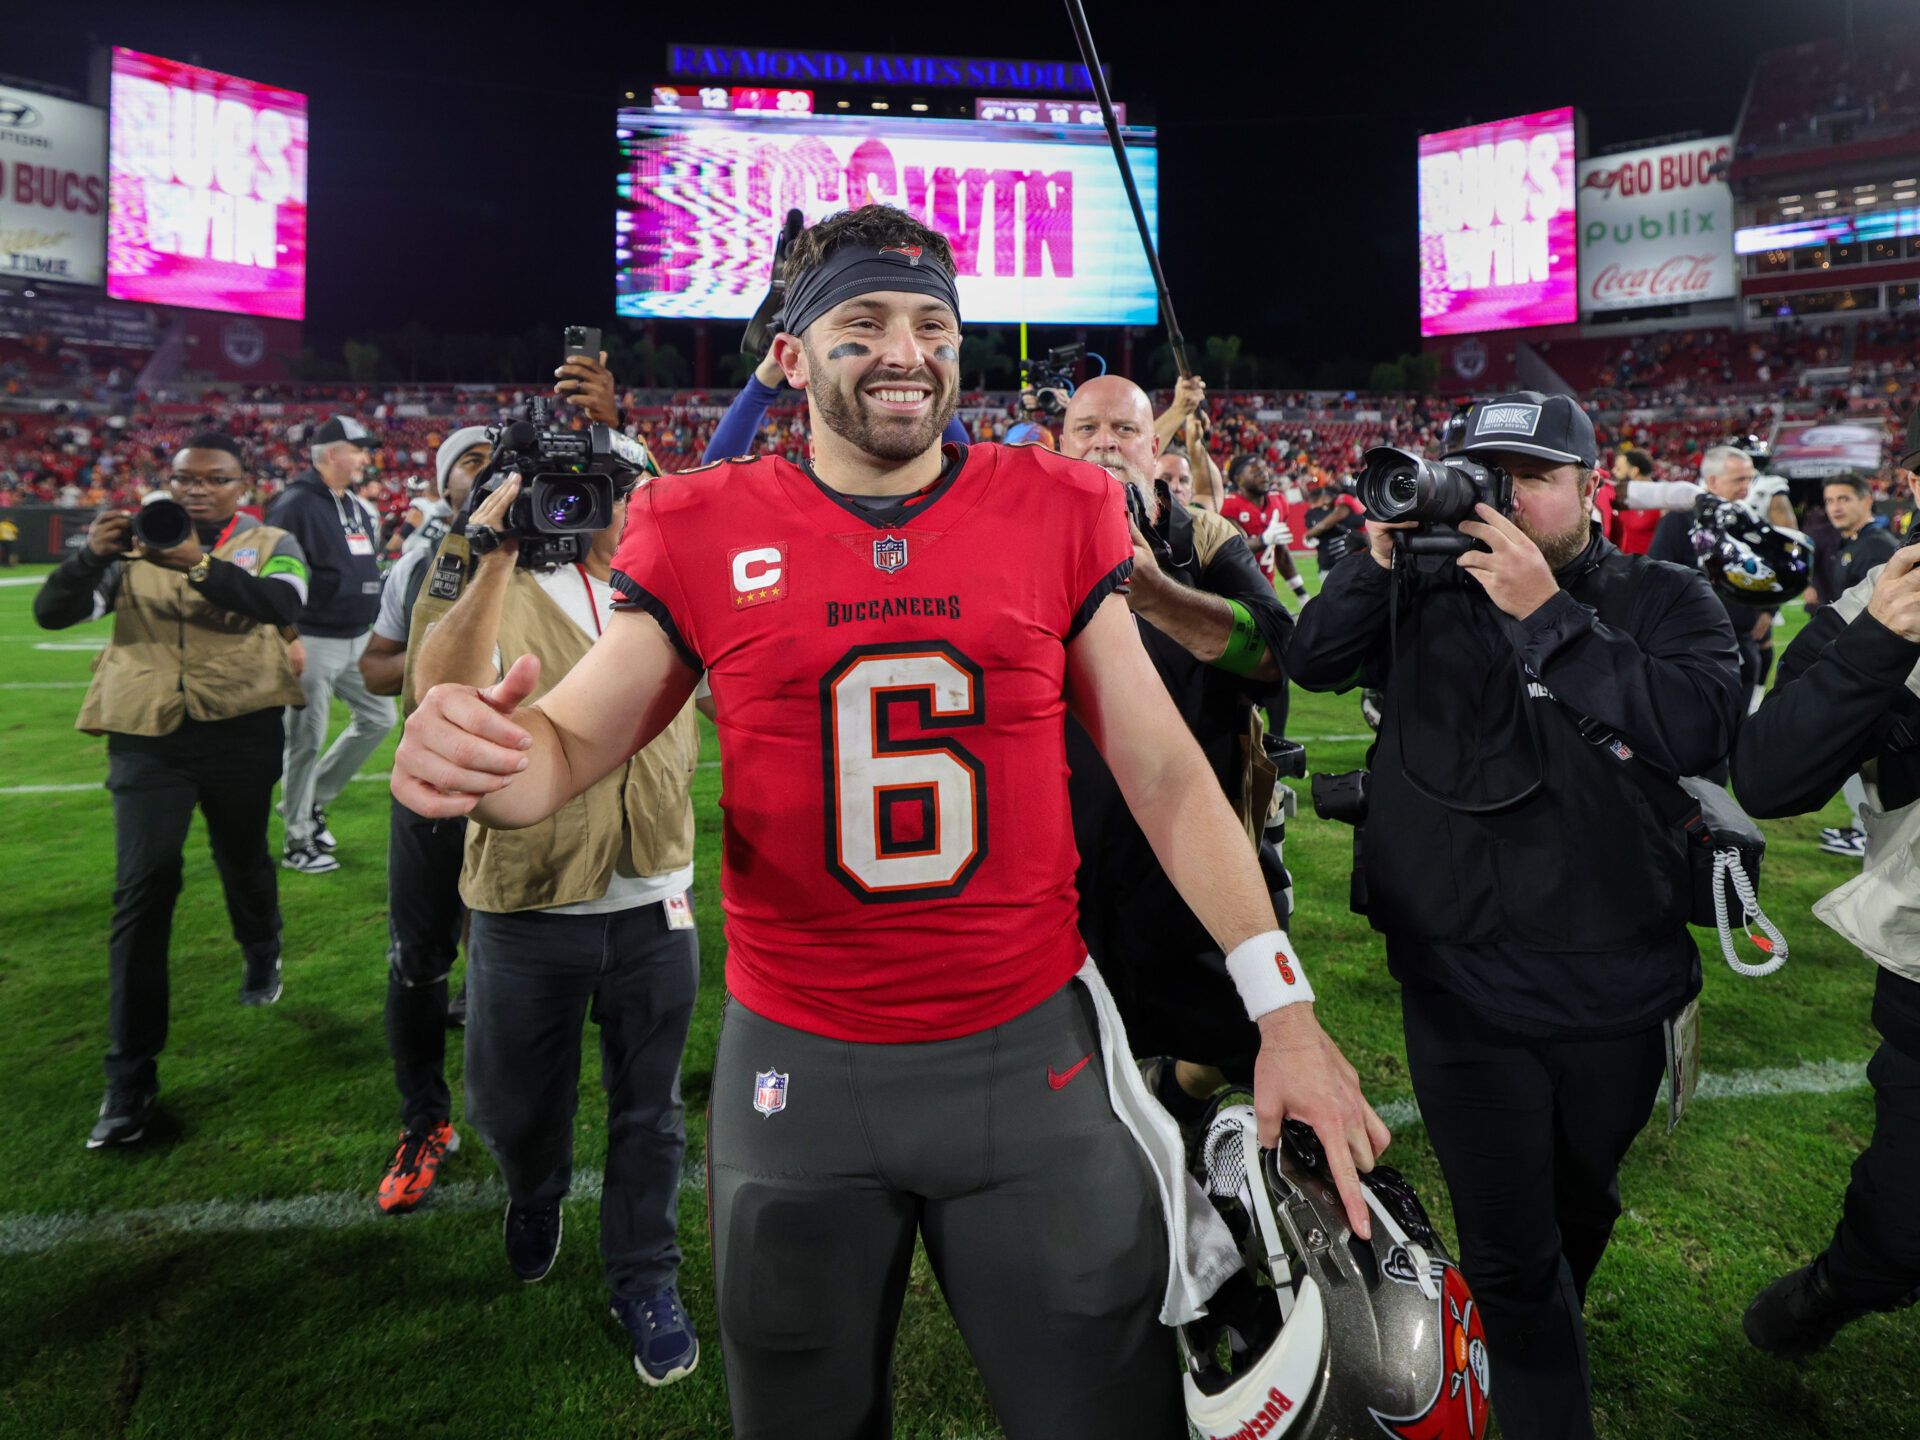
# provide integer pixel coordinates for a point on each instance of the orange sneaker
(415, 1166)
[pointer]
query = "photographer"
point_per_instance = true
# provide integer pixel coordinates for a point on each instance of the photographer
(424, 913)
(189, 693)
(1534, 906)
(1215, 632)
(1846, 706)
(337, 534)
(585, 913)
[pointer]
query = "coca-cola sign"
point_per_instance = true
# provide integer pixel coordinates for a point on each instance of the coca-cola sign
(1656, 227)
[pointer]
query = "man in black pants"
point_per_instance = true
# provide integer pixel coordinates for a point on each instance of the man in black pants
(588, 915)
(1215, 630)
(424, 913)
(189, 693)
(1534, 905)
(1849, 694)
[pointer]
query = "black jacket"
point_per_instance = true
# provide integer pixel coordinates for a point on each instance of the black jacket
(1508, 858)
(343, 588)
(1126, 899)
(1840, 701)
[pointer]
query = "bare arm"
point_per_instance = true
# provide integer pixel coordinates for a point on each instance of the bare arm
(383, 665)
(1199, 622)
(1116, 694)
(1209, 486)
(464, 748)
(459, 650)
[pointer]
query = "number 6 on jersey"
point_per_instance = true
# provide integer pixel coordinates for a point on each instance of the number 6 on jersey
(906, 818)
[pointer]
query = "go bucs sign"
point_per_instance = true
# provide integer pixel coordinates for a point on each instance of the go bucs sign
(1656, 227)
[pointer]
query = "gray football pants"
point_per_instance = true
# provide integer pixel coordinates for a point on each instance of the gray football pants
(1002, 1151)
(333, 668)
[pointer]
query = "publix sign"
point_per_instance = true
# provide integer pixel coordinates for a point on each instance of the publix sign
(1656, 227)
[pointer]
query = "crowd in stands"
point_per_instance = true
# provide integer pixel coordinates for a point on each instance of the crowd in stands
(1805, 95)
(1667, 393)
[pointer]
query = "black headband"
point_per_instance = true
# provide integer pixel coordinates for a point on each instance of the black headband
(854, 270)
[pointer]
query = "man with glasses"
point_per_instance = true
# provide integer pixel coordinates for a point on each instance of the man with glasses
(189, 692)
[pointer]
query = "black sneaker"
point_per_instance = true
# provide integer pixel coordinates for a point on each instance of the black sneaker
(123, 1118)
(1799, 1313)
(262, 983)
(322, 836)
(532, 1233)
(308, 860)
(457, 1009)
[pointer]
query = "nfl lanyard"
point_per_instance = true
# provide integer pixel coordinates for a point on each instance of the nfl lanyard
(593, 608)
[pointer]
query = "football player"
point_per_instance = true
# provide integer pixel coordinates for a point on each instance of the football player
(893, 636)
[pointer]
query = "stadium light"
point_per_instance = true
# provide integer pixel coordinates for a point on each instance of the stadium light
(1825, 194)
(918, 105)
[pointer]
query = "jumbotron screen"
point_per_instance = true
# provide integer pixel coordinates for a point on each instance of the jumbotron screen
(207, 190)
(1497, 231)
(1036, 214)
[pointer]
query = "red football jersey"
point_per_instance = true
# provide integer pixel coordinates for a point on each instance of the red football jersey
(898, 857)
(1250, 517)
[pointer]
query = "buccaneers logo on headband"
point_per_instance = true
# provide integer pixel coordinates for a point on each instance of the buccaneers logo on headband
(912, 252)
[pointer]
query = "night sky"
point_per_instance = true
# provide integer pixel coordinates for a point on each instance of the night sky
(462, 159)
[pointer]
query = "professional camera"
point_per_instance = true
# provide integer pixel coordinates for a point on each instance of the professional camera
(569, 480)
(1400, 485)
(162, 525)
(1341, 797)
(1051, 380)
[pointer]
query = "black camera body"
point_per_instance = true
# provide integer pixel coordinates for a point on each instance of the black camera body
(1398, 485)
(1341, 797)
(1052, 378)
(569, 480)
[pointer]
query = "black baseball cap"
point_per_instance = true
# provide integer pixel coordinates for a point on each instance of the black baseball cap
(1527, 422)
(345, 427)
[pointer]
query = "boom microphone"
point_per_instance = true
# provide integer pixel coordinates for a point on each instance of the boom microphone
(1078, 16)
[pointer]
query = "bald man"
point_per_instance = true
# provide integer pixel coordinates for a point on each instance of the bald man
(1216, 633)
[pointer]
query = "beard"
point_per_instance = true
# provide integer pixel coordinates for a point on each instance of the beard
(1562, 547)
(895, 438)
(1133, 480)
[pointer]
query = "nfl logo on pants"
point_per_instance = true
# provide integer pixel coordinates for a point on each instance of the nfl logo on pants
(769, 1091)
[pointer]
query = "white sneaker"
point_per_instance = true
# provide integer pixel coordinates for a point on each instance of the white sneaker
(309, 860)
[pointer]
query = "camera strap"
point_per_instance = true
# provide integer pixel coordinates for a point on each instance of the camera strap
(1403, 577)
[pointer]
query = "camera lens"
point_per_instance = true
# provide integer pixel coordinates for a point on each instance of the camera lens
(567, 507)
(162, 525)
(1402, 489)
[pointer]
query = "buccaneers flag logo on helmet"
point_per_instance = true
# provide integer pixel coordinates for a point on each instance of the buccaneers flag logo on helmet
(1458, 1410)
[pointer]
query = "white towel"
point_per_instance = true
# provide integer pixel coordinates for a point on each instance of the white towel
(1200, 1249)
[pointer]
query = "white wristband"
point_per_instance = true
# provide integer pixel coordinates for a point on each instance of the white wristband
(1268, 974)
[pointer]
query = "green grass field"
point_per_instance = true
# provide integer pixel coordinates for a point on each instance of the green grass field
(232, 1277)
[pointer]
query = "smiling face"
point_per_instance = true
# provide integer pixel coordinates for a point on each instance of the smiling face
(881, 371)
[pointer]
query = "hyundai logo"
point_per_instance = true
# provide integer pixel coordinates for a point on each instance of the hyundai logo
(17, 115)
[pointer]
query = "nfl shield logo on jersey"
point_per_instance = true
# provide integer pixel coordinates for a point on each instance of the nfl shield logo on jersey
(769, 1092)
(890, 553)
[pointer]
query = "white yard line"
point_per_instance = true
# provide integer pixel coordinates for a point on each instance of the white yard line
(78, 789)
(36, 1234)
(44, 684)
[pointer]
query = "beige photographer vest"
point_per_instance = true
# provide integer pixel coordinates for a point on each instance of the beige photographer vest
(643, 810)
(176, 656)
